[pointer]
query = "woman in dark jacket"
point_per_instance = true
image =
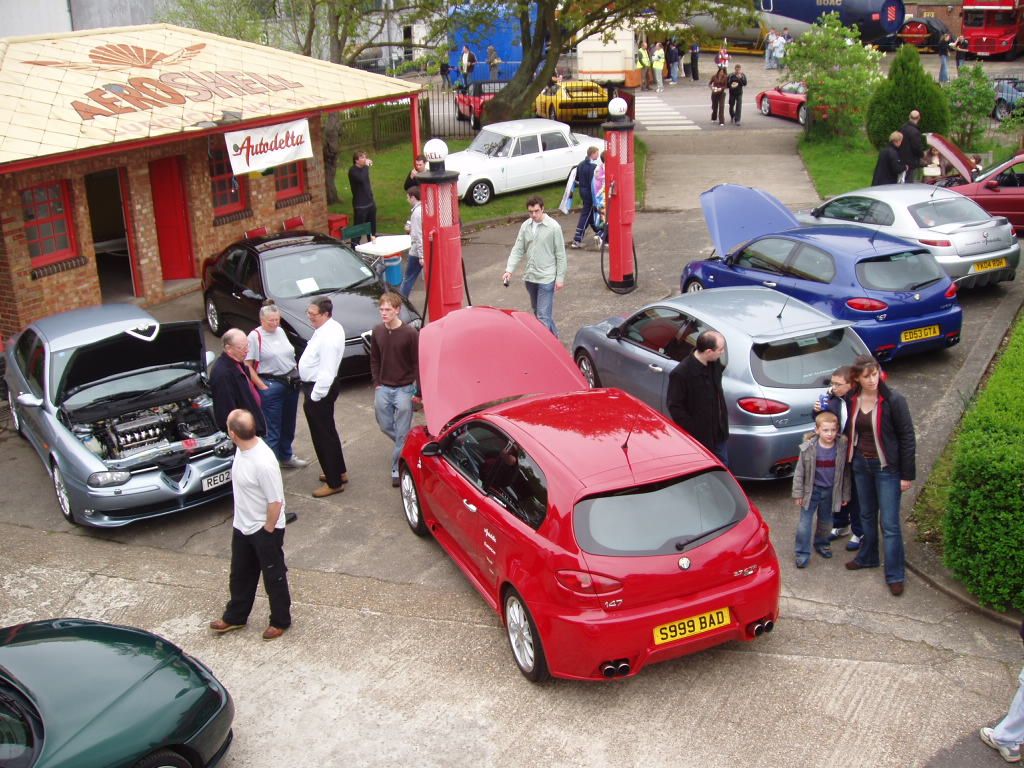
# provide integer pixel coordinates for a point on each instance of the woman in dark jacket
(882, 448)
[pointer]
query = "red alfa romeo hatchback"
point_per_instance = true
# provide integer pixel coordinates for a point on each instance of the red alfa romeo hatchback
(604, 536)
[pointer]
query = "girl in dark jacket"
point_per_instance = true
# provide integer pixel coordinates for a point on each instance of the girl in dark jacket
(882, 447)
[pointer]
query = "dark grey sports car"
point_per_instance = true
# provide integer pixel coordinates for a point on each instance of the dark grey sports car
(293, 269)
(118, 409)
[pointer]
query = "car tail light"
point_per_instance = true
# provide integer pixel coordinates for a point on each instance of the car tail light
(757, 543)
(864, 304)
(936, 243)
(762, 406)
(952, 291)
(584, 583)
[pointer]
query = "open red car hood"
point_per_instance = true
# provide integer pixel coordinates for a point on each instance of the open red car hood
(952, 154)
(478, 355)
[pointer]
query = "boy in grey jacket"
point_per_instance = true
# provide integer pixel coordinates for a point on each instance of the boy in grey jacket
(821, 484)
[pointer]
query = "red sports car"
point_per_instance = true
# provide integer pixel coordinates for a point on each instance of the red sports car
(787, 100)
(998, 189)
(470, 101)
(604, 536)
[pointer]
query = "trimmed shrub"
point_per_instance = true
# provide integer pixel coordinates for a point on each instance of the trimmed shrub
(908, 87)
(984, 526)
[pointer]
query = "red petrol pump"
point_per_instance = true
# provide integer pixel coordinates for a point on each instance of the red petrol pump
(442, 235)
(620, 198)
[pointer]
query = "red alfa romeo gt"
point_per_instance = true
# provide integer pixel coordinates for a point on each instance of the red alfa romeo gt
(605, 537)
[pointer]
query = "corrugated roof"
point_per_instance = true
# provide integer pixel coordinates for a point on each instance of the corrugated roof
(79, 90)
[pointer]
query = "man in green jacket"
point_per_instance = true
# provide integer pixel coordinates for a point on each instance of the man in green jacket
(541, 241)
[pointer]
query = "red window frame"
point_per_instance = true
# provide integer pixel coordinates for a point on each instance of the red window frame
(226, 198)
(49, 225)
(290, 180)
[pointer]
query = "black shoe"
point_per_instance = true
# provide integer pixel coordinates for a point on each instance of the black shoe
(290, 517)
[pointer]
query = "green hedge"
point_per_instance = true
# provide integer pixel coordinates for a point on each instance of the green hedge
(984, 527)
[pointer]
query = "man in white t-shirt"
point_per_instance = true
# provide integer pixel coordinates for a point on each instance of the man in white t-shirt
(257, 536)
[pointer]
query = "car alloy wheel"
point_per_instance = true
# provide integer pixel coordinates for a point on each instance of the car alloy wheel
(213, 317)
(165, 758)
(694, 286)
(411, 502)
(15, 421)
(766, 107)
(523, 637)
(61, 489)
(480, 193)
(801, 114)
(586, 365)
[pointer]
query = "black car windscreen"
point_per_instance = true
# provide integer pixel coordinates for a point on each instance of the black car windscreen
(660, 519)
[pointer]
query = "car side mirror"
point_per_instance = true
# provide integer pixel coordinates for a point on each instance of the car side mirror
(816, 213)
(29, 400)
(992, 184)
(615, 333)
(431, 449)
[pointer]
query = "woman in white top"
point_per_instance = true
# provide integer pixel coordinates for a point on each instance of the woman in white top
(272, 361)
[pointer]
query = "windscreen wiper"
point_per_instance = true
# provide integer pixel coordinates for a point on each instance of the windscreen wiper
(687, 540)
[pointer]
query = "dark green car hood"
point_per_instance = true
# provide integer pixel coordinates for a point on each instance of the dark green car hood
(103, 689)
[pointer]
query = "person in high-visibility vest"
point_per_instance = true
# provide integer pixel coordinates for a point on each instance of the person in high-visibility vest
(643, 63)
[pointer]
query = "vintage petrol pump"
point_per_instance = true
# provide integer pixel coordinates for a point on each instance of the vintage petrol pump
(442, 235)
(620, 197)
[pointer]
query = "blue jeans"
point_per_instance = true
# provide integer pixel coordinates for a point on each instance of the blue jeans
(879, 494)
(1010, 730)
(849, 514)
(413, 267)
(393, 408)
(943, 69)
(542, 301)
(820, 502)
(673, 71)
(280, 404)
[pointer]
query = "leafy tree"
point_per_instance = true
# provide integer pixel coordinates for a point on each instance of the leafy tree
(907, 88)
(240, 20)
(840, 73)
(970, 97)
(550, 28)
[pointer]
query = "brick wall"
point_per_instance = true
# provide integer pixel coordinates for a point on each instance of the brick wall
(76, 284)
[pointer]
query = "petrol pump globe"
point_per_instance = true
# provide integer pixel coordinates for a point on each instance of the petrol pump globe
(435, 151)
(442, 233)
(617, 107)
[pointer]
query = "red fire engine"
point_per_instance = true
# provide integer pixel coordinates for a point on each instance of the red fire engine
(994, 27)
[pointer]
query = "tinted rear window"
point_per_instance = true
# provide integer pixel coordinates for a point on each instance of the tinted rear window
(899, 272)
(804, 362)
(936, 213)
(654, 519)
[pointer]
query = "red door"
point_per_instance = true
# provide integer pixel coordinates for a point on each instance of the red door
(170, 207)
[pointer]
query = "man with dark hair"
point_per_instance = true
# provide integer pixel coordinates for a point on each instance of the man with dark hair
(912, 148)
(419, 165)
(695, 398)
(364, 207)
(257, 535)
(737, 82)
(231, 384)
(540, 241)
(318, 369)
(414, 261)
(394, 366)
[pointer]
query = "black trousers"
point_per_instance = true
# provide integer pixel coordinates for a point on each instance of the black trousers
(365, 214)
(252, 555)
(735, 104)
(718, 107)
(693, 68)
(324, 432)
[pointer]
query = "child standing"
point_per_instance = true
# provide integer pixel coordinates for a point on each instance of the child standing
(848, 517)
(821, 485)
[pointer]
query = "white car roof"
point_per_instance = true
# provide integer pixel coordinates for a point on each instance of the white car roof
(526, 127)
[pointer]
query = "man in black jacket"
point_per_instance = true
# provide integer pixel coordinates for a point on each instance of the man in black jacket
(585, 182)
(890, 165)
(230, 383)
(912, 149)
(364, 207)
(695, 398)
(737, 82)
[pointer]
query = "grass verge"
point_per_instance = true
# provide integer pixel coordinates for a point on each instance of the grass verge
(390, 167)
(929, 512)
(838, 165)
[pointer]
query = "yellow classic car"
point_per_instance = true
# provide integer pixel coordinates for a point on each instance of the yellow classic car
(572, 101)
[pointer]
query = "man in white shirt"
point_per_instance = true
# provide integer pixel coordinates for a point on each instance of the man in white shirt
(257, 536)
(318, 369)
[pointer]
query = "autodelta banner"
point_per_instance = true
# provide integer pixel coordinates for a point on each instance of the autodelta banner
(256, 149)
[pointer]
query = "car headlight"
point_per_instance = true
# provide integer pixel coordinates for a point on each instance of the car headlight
(107, 479)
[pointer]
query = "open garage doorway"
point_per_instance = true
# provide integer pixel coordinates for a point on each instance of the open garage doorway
(109, 236)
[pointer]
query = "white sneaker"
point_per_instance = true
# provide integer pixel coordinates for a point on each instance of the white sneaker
(839, 533)
(1009, 754)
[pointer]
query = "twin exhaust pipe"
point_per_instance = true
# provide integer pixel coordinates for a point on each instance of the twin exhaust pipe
(619, 668)
(762, 627)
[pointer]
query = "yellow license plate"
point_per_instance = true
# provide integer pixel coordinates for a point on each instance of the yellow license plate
(984, 266)
(917, 334)
(695, 625)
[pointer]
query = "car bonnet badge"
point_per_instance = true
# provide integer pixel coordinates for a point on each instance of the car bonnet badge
(684, 563)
